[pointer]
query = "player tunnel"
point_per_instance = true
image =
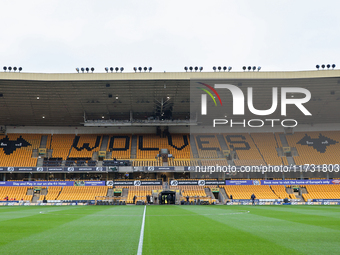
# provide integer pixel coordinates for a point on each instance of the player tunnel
(167, 197)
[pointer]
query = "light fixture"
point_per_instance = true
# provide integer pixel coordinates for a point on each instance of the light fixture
(135, 69)
(9, 68)
(77, 69)
(140, 69)
(5, 68)
(150, 69)
(219, 68)
(15, 68)
(20, 68)
(323, 66)
(92, 69)
(82, 69)
(196, 68)
(201, 68)
(107, 69)
(145, 68)
(328, 66)
(111, 69)
(87, 69)
(224, 68)
(121, 69)
(244, 68)
(38, 98)
(333, 66)
(258, 68)
(117, 69)
(249, 68)
(185, 68)
(229, 68)
(214, 68)
(191, 68)
(116, 97)
(254, 68)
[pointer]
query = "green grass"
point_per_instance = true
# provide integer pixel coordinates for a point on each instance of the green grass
(170, 230)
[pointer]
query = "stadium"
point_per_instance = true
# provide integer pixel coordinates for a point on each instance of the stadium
(130, 162)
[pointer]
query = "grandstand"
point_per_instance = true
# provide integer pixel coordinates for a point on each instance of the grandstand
(150, 134)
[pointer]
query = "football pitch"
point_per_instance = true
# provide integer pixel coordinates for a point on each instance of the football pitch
(170, 229)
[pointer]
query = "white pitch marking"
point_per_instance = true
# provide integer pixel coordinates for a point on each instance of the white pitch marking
(141, 237)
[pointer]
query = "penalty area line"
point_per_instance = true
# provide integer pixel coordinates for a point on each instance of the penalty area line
(141, 237)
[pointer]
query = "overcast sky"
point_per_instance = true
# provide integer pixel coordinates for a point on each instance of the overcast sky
(58, 36)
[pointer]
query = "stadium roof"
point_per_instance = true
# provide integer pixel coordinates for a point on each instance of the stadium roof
(63, 99)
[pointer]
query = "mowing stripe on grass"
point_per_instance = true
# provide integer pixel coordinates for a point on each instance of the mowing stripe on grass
(141, 237)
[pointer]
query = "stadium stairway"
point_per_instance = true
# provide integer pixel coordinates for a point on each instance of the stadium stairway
(303, 190)
(290, 160)
(35, 197)
(294, 152)
(30, 192)
(279, 152)
(222, 196)
(299, 197)
(289, 190)
(43, 141)
(193, 147)
(283, 139)
(230, 162)
(209, 193)
(95, 156)
(125, 192)
(35, 153)
(43, 192)
(222, 142)
(40, 162)
(108, 155)
(105, 142)
(109, 193)
(134, 146)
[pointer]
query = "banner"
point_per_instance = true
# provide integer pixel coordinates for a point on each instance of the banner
(198, 182)
(159, 168)
(135, 183)
(50, 183)
(299, 182)
(53, 169)
(242, 182)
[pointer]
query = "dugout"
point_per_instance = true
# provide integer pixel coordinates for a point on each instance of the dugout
(167, 197)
